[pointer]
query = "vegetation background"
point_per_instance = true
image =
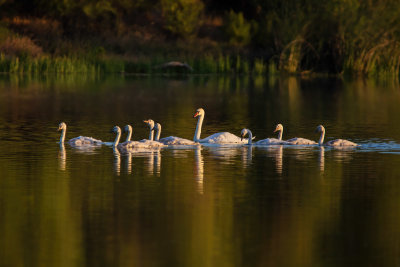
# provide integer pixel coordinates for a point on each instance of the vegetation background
(238, 36)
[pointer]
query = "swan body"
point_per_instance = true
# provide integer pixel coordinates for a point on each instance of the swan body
(134, 145)
(171, 140)
(217, 138)
(293, 141)
(333, 143)
(77, 141)
(263, 142)
(300, 141)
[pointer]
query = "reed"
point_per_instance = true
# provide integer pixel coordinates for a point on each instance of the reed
(209, 64)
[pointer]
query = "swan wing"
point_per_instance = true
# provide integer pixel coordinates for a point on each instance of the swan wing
(142, 144)
(300, 141)
(223, 138)
(270, 141)
(173, 141)
(84, 141)
(340, 143)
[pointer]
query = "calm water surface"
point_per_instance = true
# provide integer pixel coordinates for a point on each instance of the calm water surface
(211, 206)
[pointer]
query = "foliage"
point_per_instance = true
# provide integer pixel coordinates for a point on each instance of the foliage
(237, 29)
(20, 46)
(333, 36)
(182, 17)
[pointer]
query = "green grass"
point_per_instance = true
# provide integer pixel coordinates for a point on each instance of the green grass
(209, 64)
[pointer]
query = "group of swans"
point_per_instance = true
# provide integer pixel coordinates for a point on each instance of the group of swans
(297, 140)
(154, 140)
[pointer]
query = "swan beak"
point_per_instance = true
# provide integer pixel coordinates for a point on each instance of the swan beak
(146, 121)
(196, 114)
(59, 129)
(275, 130)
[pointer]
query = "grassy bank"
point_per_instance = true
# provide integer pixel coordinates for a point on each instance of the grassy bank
(208, 64)
(334, 37)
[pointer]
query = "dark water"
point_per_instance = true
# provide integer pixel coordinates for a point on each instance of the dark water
(214, 206)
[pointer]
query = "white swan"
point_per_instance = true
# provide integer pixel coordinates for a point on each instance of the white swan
(263, 142)
(77, 141)
(293, 141)
(171, 140)
(335, 143)
(134, 145)
(217, 138)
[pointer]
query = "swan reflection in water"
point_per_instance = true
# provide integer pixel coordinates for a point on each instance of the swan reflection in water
(128, 162)
(247, 155)
(321, 158)
(62, 157)
(275, 152)
(152, 163)
(117, 161)
(199, 169)
(62, 153)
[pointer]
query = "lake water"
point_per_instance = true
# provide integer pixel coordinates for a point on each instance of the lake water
(210, 206)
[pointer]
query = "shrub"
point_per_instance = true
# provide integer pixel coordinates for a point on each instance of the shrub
(182, 17)
(20, 47)
(237, 29)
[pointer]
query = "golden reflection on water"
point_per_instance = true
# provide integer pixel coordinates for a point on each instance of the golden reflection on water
(243, 206)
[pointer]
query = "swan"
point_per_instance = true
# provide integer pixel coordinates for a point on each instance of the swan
(134, 145)
(217, 138)
(293, 141)
(171, 140)
(335, 143)
(77, 141)
(263, 142)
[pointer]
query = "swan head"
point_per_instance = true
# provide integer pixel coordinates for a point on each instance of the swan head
(320, 129)
(150, 123)
(278, 128)
(243, 133)
(127, 128)
(198, 112)
(116, 129)
(62, 126)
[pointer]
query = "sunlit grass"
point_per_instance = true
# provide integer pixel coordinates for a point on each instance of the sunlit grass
(222, 64)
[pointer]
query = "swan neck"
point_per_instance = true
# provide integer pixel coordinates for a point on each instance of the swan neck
(116, 141)
(128, 137)
(158, 134)
(280, 134)
(62, 138)
(198, 128)
(321, 138)
(151, 135)
(250, 137)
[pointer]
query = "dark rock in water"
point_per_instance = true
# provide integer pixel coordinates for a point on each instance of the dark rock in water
(174, 65)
